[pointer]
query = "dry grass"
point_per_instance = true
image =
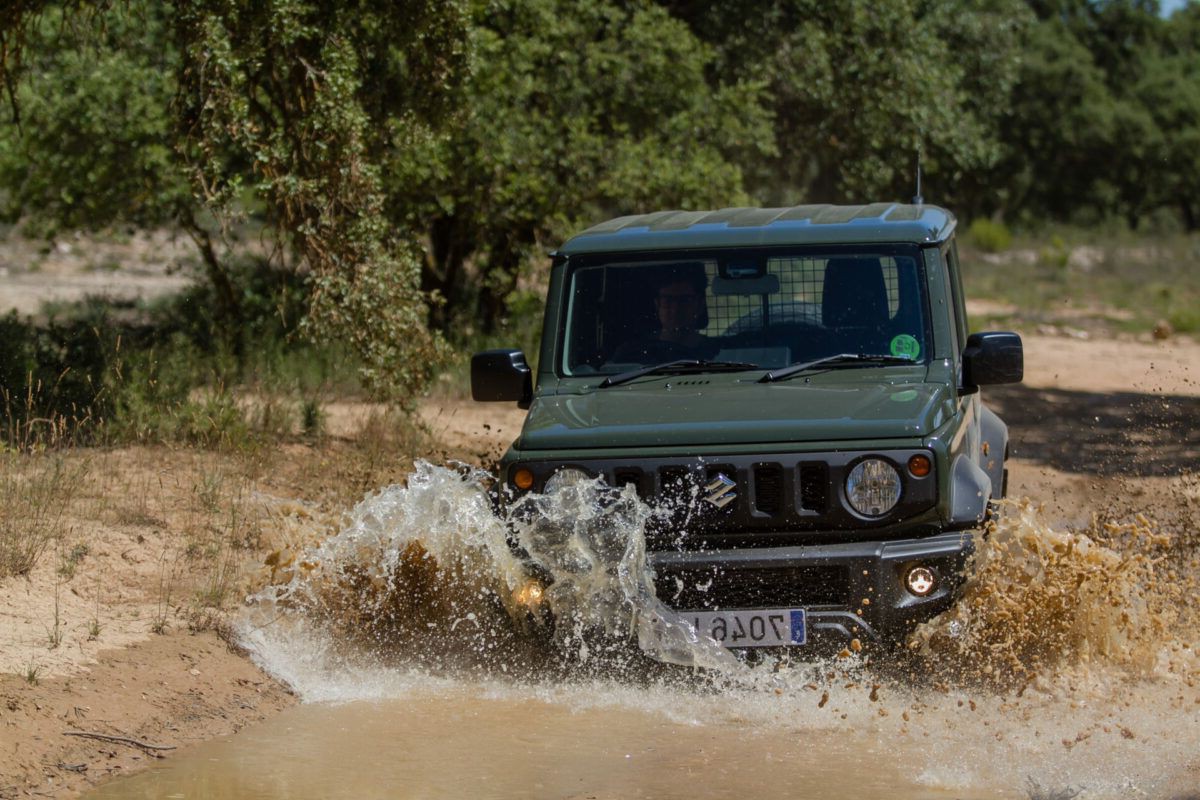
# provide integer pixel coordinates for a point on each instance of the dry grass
(36, 495)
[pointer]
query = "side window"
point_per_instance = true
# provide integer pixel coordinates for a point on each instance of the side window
(954, 281)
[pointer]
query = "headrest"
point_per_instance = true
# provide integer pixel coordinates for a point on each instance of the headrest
(854, 294)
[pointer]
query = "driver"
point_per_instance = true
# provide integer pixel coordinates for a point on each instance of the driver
(681, 313)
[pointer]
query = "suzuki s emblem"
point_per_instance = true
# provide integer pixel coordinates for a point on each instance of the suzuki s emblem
(720, 492)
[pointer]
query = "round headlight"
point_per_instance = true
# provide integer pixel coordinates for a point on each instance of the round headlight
(873, 487)
(567, 476)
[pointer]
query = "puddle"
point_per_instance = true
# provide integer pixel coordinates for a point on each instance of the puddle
(1069, 669)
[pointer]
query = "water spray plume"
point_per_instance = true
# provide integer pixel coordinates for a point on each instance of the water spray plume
(426, 574)
(1042, 599)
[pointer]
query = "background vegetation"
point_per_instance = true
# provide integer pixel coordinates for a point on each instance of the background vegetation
(371, 187)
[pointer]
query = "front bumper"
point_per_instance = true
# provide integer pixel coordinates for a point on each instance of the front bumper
(852, 590)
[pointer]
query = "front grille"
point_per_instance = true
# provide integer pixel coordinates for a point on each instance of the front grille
(714, 588)
(675, 483)
(623, 476)
(814, 486)
(768, 488)
(778, 499)
(676, 489)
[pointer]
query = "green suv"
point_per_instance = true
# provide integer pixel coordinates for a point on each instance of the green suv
(796, 392)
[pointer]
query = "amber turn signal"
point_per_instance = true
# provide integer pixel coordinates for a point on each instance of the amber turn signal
(920, 466)
(522, 479)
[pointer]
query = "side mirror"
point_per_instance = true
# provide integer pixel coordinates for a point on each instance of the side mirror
(992, 358)
(501, 375)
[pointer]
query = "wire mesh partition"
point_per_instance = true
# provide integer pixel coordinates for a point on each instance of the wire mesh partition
(801, 287)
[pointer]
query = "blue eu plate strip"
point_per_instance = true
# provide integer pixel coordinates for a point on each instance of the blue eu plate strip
(799, 632)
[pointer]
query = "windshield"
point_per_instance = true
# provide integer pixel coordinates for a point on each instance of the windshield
(769, 308)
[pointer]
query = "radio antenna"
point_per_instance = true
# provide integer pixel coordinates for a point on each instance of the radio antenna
(917, 198)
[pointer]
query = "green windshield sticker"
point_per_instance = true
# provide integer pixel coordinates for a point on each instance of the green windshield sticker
(905, 396)
(905, 346)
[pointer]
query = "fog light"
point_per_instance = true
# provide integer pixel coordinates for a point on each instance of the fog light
(522, 479)
(530, 595)
(920, 581)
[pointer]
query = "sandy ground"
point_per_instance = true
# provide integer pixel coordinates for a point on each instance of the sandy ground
(119, 630)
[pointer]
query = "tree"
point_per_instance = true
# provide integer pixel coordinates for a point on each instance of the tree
(228, 103)
(1098, 118)
(305, 100)
(1170, 90)
(90, 140)
(859, 88)
(572, 111)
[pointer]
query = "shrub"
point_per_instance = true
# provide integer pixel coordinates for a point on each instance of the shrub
(166, 371)
(989, 236)
(52, 376)
(1185, 320)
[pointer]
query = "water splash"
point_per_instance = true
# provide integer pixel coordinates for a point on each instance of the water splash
(426, 575)
(1073, 652)
(1042, 600)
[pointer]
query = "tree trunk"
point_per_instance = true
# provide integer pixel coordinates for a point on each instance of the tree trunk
(504, 266)
(443, 273)
(229, 310)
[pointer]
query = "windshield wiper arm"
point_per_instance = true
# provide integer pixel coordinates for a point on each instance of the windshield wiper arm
(830, 361)
(679, 365)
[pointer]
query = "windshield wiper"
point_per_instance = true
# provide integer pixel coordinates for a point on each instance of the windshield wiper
(842, 359)
(679, 365)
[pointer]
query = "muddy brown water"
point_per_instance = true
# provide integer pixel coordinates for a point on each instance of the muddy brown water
(1068, 669)
(605, 741)
(491, 748)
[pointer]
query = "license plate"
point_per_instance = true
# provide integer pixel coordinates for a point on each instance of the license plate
(762, 627)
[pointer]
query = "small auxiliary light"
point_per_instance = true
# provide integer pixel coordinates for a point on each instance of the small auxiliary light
(530, 594)
(919, 466)
(920, 581)
(522, 479)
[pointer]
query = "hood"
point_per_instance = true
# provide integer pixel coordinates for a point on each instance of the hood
(718, 409)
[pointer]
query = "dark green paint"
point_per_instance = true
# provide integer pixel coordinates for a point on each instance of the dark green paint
(752, 227)
(715, 409)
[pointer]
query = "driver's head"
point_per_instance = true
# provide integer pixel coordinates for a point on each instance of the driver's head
(679, 301)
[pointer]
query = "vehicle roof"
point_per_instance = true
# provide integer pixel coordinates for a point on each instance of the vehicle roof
(742, 227)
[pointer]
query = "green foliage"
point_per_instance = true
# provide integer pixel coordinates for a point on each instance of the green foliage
(989, 236)
(1170, 90)
(572, 111)
(160, 113)
(1105, 117)
(1184, 320)
(283, 87)
(52, 378)
(93, 147)
(155, 398)
(859, 88)
(163, 372)
(1055, 256)
(410, 163)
